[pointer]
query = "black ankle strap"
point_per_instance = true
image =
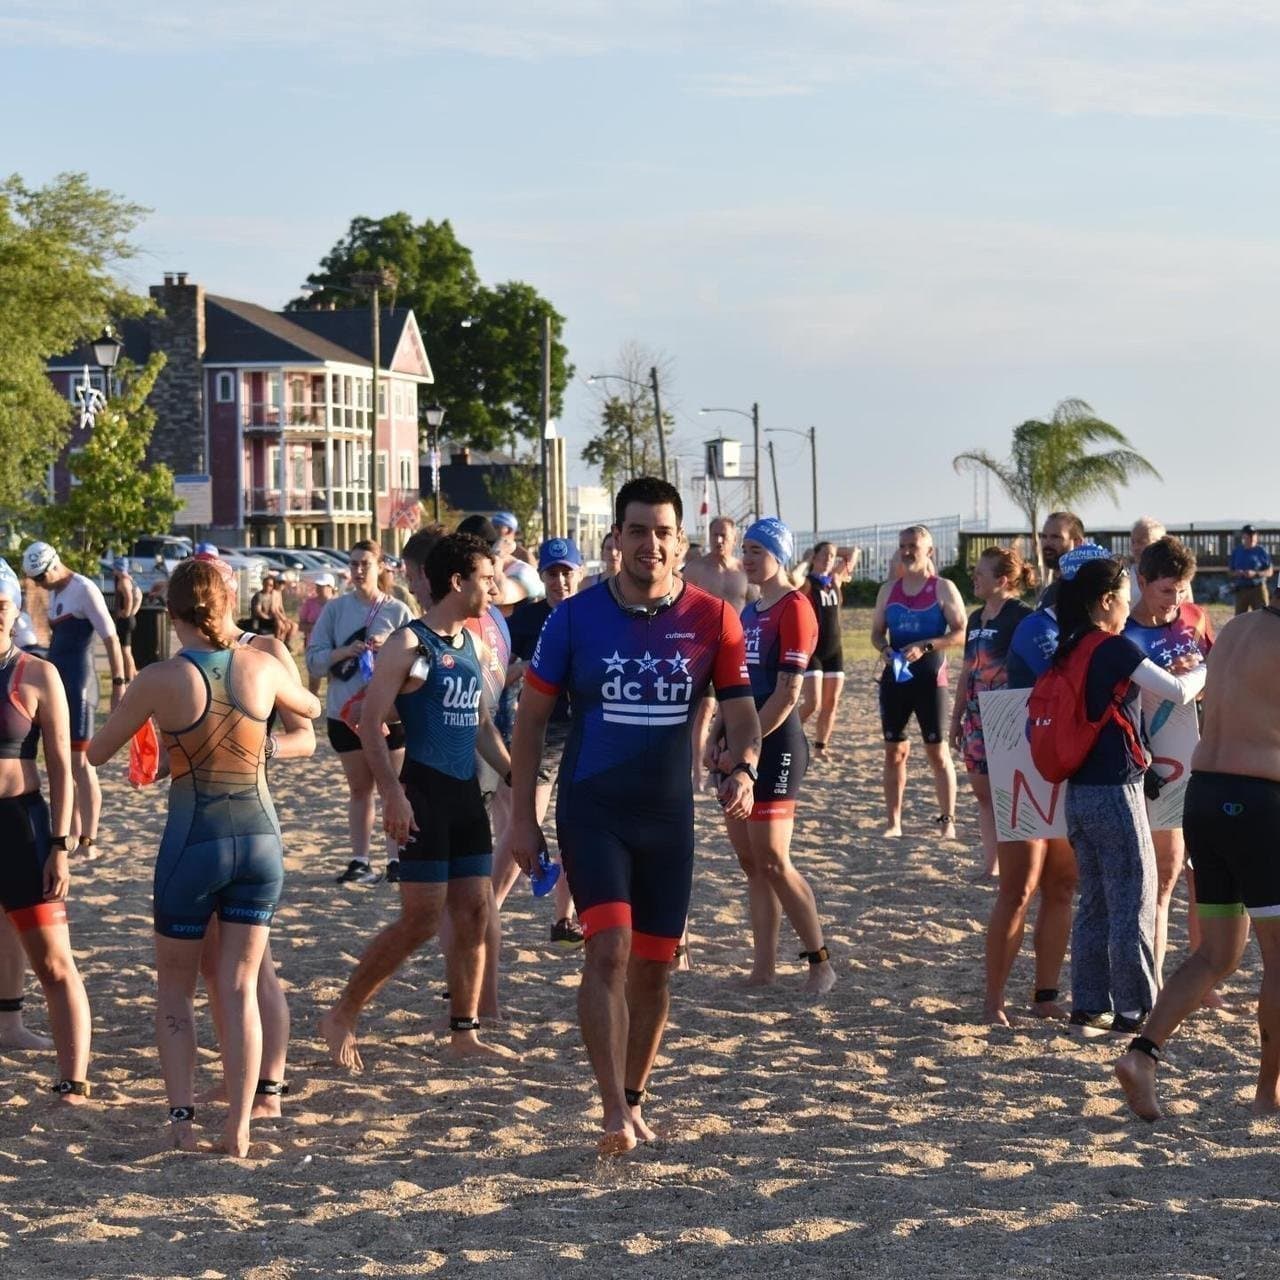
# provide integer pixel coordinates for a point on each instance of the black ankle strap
(11, 1004)
(181, 1115)
(1046, 995)
(272, 1088)
(464, 1024)
(81, 1088)
(1141, 1044)
(634, 1097)
(944, 819)
(816, 957)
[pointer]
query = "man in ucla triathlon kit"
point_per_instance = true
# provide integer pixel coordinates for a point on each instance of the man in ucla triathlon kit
(77, 611)
(1230, 818)
(917, 617)
(635, 655)
(429, 676)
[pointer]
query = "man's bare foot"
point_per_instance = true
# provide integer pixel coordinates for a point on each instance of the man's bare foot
(265, 1107)
(465, 1044)
(182, 1134)
(760, 978)
(19, 1037)
(946, 831)
(994, 1014)
(1048, 1009)
(984, 877)
(235, 1141)
(893, 831)
(642, 1131)
(1137, 1075)
(1213, 1000)
(822, 977)
(340, 1036)
(619, 1135)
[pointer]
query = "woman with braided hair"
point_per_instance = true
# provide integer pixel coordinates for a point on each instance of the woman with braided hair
(221, 849)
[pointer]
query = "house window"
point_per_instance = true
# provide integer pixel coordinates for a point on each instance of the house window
(383, 466)
(275, 467)
(273, 390)
(72, 479)
(382, 399)
(408, 481)
(226, 393)
(77, 380)
(298, 471)
(411, 401)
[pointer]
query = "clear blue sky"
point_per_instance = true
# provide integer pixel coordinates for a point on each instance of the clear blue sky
(911, 224)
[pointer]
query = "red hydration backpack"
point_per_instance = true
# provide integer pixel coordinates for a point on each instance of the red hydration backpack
(1058, 728)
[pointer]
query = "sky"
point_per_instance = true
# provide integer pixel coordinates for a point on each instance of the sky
(911, 225)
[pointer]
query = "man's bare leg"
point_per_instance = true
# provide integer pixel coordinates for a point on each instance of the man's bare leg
(469, 901)
(944, 786)
(1213, 1000)
(1222, 944)
(13, 973)
(88, 800)
(421, 906)
(603, 1016)
(895, 784)
(648, 1002)
(1266, 1099)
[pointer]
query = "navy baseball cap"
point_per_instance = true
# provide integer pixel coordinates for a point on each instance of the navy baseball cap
(558, 551)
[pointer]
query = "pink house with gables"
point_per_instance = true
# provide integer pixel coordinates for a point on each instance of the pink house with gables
(277, 406)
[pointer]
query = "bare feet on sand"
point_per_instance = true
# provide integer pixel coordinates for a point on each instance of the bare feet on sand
(182, 1135)
(946, 831)
(619, 1135)
(893, 831)
(465, 1044)
(642, 1131)
(1137, 1075)
(994, 1015)
(340, 1036)
(235, 1142)
(822, 977)
(265, 1107)
(1266, 1102)
(20, 1038)
(1213, 1000)
(1048, 1009)
(760, 978)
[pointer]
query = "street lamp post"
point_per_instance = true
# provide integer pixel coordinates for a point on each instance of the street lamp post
(652, 387)
(375, 282)
(812, 437)
(754, 415)
(434, 414)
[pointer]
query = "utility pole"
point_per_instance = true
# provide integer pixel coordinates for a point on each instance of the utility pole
(755, 456)
(813, 446)
(657, 413)
(374, 281)
(546, 424)
(773, 467)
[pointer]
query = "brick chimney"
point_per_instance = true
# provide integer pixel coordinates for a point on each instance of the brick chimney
(178, 399)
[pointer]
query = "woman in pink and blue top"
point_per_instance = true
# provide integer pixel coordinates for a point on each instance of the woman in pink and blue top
(780, 631)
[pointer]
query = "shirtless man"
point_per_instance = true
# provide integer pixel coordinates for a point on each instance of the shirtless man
(1230, 818)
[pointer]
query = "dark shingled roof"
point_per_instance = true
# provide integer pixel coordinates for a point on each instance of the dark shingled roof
(352, 329)
(135, 335)
(237, 332)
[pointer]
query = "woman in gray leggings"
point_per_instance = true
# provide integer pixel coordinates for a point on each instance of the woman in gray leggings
(1113, 982)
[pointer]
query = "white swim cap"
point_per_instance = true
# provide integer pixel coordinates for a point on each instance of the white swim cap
(38, 558)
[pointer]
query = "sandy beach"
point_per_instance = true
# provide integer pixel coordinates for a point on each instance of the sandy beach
(885, 1131)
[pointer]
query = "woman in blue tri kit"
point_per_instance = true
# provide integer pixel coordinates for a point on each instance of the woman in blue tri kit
(221, 850)
(917, 617)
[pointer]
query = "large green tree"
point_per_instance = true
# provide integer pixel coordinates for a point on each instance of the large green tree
(484, 341)
(58, 246)
(115, 497)
(1051, 465)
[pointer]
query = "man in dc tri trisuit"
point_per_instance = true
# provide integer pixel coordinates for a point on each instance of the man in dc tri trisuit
(635, 655)
(429, 676)
(77, 610)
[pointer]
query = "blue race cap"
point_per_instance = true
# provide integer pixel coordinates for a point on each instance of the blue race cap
(1069, 564)
(9, 584)
(205, 549)
(558, 551)
(120, 564)
(774, 537)
(506, 519)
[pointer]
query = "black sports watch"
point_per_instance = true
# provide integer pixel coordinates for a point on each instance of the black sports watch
(119, 680)
(749, 769)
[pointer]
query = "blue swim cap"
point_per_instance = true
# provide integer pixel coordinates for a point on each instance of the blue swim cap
(774, 537)
(9, 584)
(507, 519)
(120, 564)
(1070, 563)
(205, 549)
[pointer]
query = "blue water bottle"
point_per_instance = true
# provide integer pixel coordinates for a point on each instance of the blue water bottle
(542, 879)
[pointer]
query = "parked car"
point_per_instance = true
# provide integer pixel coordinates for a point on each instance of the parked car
(253, 567)
(342, 559)
(280, 560)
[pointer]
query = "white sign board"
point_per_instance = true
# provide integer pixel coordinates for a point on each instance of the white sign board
(1029, 808)
(195, 493)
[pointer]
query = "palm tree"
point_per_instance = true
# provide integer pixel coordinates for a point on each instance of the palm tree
(1050, 466)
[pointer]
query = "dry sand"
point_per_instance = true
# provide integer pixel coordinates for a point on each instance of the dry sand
(884, 1132)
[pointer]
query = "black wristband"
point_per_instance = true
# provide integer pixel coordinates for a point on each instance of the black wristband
(119, 680)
